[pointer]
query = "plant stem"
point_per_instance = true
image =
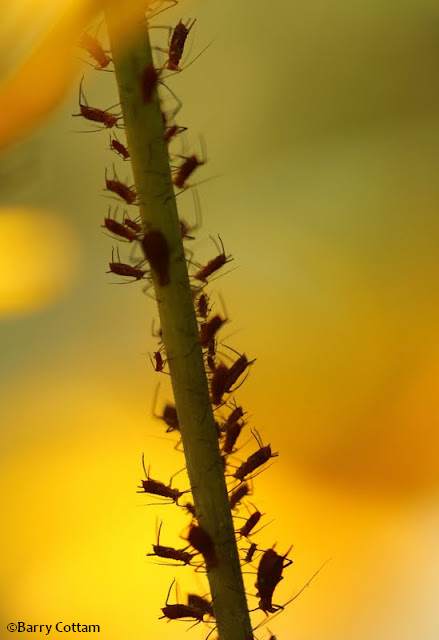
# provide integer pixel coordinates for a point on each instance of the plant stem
(150, 162)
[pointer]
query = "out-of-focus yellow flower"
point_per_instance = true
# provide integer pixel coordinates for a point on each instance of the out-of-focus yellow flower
(38, 257)
(30, 91)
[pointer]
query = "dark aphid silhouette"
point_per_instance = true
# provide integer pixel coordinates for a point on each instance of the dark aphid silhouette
(120, 229)
(168, 416)
(126, 192)
(169, 553)
(202, 604)
(250, 552)
(232, 432)
(255, 460)
(214, 264)
(94, 48)
(210, 328)
(180, 611)
(211, 355)
(157, 488)
(125, 270)
(176, 46)
(118, 147)
(201, 541)
(186, 169)
(156, 251)
(250, 524)
(236, 414)
(236, 370)
(202, 306)
(149, 82)
(93, 114)
(238, 494)
(158, 362)
(224, 377)
(270, 568)
(172, 131)
(218, 383)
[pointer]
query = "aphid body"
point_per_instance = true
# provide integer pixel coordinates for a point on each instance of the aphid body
(156, 251)
(270, 569)
(176, 46)
(250, 524)
(95, 50)
(200, 540)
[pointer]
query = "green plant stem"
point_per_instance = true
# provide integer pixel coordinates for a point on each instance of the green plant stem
(150, 162)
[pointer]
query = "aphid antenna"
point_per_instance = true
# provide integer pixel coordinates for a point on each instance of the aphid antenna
(176, 474)
(172, 3)
(179, 103)
(169, 591)
(257, 436)
(144, 466)
(267, 524)
(195, 184)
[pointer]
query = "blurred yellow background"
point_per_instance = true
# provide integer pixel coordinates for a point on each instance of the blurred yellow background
(322, 122)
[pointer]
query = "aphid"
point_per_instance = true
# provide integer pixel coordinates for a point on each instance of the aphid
(122, 230)
(218, 383)
(251, 552)
(250, 524)
(102, 116)
(149, 82)
(95, 49)
(200, 540)
(176, 46)
(172, 131)
(186, 169)
(157, 488)
(270, 569)
(233, 431)
(211, 355)
(157, 361)
(203, 306)
(256, 460)
(213, 265)
(200, 603)
(179, 611)
(156, 250)
(235, 415)
(224, 378)
(124, 191)
(121, 150)
(239, 493)
(169, 415)
(236, 370)
(169, 553)
(123, 269)
(210, 328)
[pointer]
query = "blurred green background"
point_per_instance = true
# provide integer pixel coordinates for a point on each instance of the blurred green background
(322, 128)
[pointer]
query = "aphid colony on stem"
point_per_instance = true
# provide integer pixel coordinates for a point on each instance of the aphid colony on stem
(225, 373)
